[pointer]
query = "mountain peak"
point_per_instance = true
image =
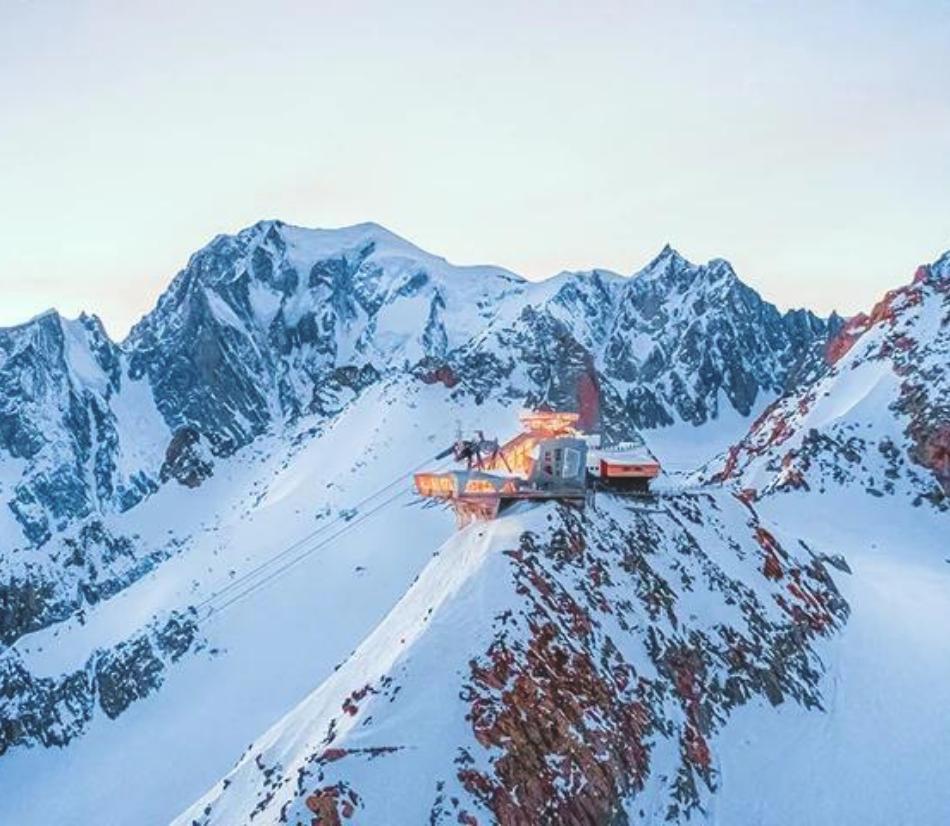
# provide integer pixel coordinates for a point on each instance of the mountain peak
(939, 269)
(670, 265)
(721, 266)
(668, 257)
(362, 240)
(44, 317)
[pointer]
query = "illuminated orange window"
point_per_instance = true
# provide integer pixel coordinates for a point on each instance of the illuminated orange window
(549, 423)
(435, 484)
(617, 469)
(479, 486)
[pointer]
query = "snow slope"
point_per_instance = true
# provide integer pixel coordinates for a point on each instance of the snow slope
(876, 415)
(879, 755)
(264, 653)
(548, 665)
(875, 420)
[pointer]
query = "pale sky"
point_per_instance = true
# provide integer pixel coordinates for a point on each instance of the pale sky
(808, 144)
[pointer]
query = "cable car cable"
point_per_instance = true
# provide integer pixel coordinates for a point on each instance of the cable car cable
(241, 580)
(300, 557)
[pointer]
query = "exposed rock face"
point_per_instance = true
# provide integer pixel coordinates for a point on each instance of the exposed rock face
(663, 347)
(875, 416)
(620, 641)
(276, 322)
(186, 460)
(27, 604)
(572, 720)
(684, 334)
(83, 567)
(58, 380)
(51, 711)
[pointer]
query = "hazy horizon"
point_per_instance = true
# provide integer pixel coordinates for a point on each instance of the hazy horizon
(806, 145)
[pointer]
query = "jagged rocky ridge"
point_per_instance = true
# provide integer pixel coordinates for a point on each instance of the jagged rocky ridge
(69, 431)
(669, 345)
(552, 667)
(278, 323)
(876, 413)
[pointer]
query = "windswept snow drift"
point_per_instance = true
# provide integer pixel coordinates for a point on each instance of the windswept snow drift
(878, 755)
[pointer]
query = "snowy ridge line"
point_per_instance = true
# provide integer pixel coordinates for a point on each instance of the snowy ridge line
(297, 559)
(249, 575)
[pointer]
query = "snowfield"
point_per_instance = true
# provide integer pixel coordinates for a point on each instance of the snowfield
(879, 754)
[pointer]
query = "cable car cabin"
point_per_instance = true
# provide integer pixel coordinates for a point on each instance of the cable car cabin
(549, 459)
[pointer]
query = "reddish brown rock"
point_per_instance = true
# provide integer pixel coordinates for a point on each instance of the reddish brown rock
(332, 805)
(443, 374)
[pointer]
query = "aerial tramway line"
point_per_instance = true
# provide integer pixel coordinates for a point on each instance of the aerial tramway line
(260, 575)
(550, 459)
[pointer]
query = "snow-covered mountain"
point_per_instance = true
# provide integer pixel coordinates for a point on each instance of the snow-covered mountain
(72, 424)
(280, 323)
(877, 413)
(209, 540)
(78, 441)
(674, 344)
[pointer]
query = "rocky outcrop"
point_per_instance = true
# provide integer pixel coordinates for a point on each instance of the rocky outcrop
(570, 719)
(51, 711)
(577, 671)
(80, 568)
(186, 459)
